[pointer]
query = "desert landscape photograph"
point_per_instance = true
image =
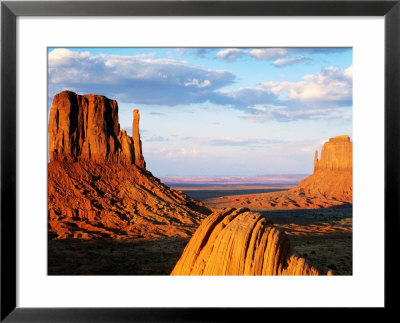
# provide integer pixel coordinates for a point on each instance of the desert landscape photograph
(200, 161)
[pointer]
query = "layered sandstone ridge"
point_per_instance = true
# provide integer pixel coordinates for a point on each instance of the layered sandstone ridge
(330, 185)
(86, 127)
(240, 242)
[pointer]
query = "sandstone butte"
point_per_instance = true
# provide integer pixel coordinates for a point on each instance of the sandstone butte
(86, 128)
(240, 242)
(330, 185)
(98, 185)
(333, 173)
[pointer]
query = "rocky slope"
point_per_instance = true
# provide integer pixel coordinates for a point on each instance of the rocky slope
(240, 242)
(97, 182)
(331, 184)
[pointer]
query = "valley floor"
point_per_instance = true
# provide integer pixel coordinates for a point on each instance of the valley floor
(323, 236)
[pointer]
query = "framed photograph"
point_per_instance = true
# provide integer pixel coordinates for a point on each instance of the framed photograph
(195, 160)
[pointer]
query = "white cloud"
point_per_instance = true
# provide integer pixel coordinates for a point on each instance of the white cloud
(331, 84)
(196, 82)
(63, 56)
(143, 79)
(349, 72)
(230, 54)
(287, 61)
(324, 95)
(135, 78)
(282, 56)
(269, 53)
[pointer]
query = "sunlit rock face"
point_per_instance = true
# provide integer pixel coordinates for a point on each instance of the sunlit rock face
(98, 186)
(139, 159)
(336, 154)
(333, 173)
(86, 127)
(240, 242)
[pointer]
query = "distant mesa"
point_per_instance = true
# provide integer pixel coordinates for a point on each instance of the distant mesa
(240, 242)
(330, 185)
(336, 154)
(98, 186)
(333, 173)
(86, 127)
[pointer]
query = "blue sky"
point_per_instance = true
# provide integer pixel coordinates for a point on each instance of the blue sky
(218, 111)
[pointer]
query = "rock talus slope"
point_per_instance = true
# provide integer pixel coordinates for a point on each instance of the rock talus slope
(240, 242)
(98, 186)
(90, 200)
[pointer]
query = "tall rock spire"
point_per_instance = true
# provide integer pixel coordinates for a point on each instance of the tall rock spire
(316, 161)
(139, 159)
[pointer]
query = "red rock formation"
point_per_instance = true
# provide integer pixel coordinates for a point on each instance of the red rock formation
(239, 242)
(316, 161)
(330, 185)
(90, 200)
(136, 139)
(86, 127)
(336, 154)
(97, 182)
(333, 173)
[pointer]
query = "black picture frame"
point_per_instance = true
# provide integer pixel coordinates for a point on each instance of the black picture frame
(10, 10)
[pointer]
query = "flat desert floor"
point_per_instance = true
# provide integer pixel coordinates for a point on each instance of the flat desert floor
(323, 236)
